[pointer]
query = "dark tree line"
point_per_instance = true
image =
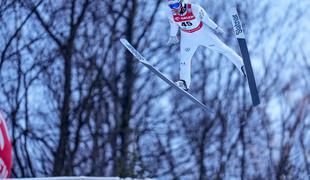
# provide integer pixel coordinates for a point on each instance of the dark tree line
(77, 103)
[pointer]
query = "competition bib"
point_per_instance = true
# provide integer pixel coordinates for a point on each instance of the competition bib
(188, 22)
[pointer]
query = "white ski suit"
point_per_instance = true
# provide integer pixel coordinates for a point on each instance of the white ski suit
(197, 29)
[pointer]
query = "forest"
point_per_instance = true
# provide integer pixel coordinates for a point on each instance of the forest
(77, 103)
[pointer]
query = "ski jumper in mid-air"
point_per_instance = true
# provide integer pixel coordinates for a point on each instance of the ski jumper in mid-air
(196, 29)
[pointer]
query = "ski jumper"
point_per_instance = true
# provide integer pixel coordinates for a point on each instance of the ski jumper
(196, 29)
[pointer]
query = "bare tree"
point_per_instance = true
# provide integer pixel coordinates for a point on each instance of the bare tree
(79, 104)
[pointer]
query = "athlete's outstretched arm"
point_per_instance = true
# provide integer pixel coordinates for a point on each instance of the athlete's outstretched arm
(173, 27)
(206, 19)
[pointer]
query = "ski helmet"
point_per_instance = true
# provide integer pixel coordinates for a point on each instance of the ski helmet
(174, 4)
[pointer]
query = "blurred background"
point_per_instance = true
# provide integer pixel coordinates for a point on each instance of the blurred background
(77, 103)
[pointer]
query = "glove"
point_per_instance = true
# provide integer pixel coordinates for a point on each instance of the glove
(219, 30)
(172, 40)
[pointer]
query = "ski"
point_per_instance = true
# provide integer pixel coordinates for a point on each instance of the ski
(245, 55)
(142, 60)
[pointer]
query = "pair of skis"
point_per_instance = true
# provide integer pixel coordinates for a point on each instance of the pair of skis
(245, 55)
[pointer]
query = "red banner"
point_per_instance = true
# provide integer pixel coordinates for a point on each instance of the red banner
(5, 150)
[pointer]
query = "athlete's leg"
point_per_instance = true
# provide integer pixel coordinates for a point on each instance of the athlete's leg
(213, 42)
(188, 48)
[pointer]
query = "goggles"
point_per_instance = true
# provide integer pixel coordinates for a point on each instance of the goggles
(174, 6)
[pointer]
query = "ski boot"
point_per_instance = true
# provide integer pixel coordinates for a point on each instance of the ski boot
(182, 84)
(243, 71)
